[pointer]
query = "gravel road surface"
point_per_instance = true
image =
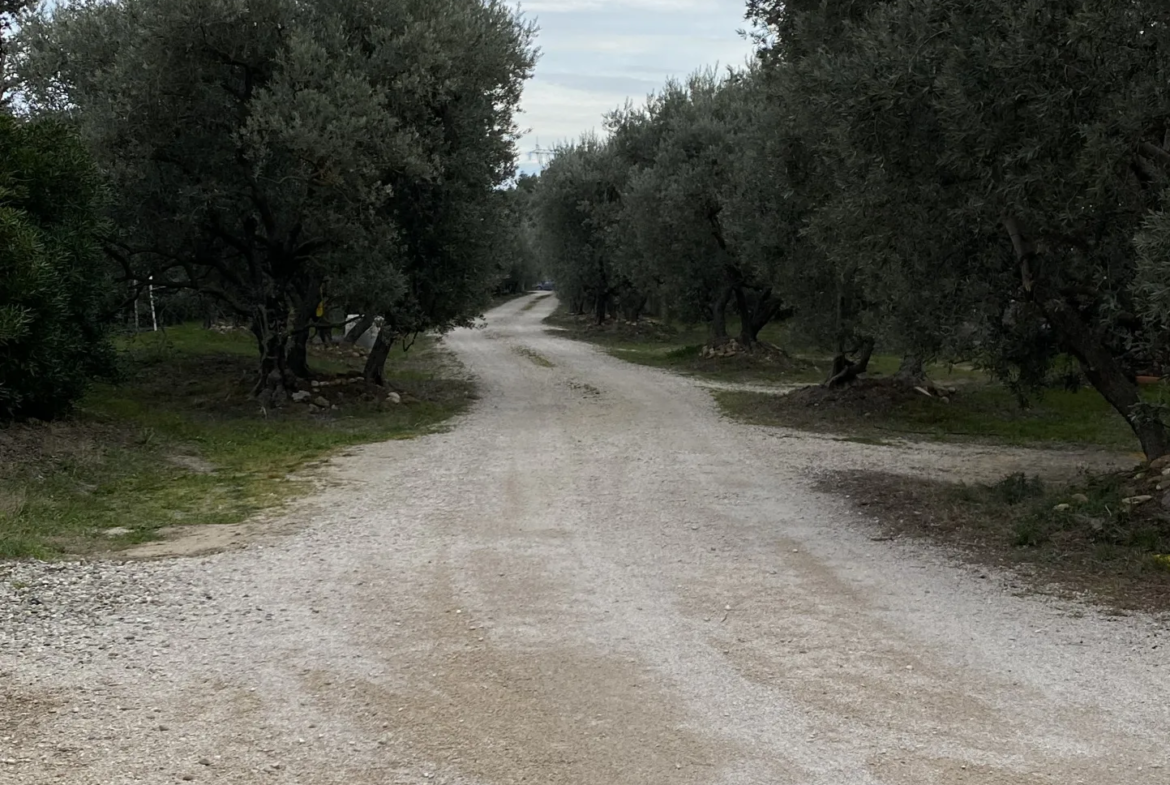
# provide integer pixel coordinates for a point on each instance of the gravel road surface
(592, 579)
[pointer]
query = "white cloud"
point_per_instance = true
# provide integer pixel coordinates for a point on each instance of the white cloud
(614, 6)
(597, 54)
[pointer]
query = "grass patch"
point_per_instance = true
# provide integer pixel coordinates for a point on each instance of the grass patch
(975, 412)
(180, 442)
(679, 349)
(1076, 539)
(535, 357)
(658, 345)
(874, 411)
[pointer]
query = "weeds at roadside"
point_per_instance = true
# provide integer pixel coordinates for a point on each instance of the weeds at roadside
(1081, 538)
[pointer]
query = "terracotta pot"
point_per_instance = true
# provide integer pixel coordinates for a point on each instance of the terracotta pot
(1148, 379)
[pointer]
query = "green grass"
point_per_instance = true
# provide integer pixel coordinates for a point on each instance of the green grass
(678, 348)
(977, 411)
(180, 442)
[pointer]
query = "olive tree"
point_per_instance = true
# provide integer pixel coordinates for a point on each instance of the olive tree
(576, 207)
(1013, 151)
(685, 205)
(261, 152)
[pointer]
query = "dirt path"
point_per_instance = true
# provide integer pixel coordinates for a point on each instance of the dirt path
(593, 580)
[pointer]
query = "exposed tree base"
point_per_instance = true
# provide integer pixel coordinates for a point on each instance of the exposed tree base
(846, 371)
(274, 389)
(376, 361)
(868, 397)
(733, 347)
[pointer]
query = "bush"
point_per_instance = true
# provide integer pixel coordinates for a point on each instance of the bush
(1017, 488)
(52, 280)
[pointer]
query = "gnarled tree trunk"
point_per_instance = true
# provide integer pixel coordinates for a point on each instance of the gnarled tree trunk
(757, 313)
(634, 311)
(717, 325)
(375, 369)
(601, 306)
(845, 371)
(912, 371)
(303, 316)
(360, 327)
(1082, 341)
(270, 326)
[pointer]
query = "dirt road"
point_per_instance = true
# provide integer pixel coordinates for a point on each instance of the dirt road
(594, 580)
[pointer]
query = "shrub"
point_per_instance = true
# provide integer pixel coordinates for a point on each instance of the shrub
(52, 277)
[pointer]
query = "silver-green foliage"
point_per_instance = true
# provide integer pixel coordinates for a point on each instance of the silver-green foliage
(258, 149)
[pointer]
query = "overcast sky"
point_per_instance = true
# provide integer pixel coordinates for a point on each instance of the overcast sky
(597, 53)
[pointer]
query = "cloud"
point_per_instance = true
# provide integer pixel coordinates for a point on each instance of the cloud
(549, 7)
(599, 54)
(616, 84)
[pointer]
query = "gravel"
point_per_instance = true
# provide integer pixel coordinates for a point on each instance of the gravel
(592, 579)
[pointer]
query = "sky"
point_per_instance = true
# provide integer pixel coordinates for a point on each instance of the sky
(596, 54)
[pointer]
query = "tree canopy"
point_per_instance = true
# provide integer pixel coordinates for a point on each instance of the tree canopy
(943, 179)
(264, 153)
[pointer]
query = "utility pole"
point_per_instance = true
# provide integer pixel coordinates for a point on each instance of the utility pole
(540, 154)
(150, 292)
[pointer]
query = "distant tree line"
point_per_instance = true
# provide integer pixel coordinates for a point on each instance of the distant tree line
(260, 156)
(937, 178)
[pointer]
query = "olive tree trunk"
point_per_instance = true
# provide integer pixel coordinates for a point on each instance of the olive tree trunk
(1101, 367)
(360, 327)
(270, 326)
(912, 371)
(717, 325)
(375, 369)
(845, 370)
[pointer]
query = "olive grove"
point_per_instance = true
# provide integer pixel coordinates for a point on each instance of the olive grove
(935, 178)
(268, 154)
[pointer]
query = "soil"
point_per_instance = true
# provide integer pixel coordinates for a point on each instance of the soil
(864, 398)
